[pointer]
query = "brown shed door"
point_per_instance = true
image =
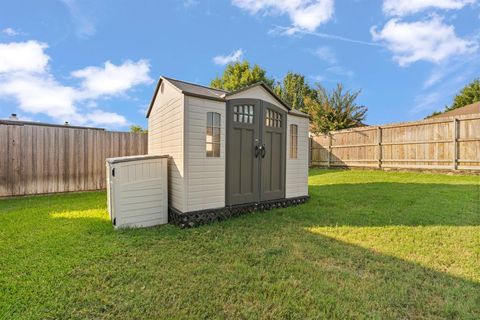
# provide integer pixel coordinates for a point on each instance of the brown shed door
(272, 180)
(256, 133)
(243, 137)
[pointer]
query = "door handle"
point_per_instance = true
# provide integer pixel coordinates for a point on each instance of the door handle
(257, 150)
(263, 151)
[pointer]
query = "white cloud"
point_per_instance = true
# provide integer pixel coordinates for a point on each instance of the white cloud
(326, 54)
(406, 7)
(99, 117)
(429, 40)
(84, 24)
(444, 81)
(33, 87)
(10, 32)
(233, 57)
(39, 94)
(290, 31)
(190, 3)
(23, 56)
(304, 14)
(112, 79)
(332, 74)
(340, 71)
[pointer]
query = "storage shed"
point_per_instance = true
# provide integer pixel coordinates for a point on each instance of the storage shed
(137, 191)
(229, 152)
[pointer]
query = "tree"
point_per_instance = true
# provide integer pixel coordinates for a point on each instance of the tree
(294, 90)
(468, 95)
(239, 75)
(334, 111)
(137, 129)
(434, 113)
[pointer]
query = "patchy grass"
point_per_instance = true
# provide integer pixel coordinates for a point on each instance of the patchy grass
(368, 244)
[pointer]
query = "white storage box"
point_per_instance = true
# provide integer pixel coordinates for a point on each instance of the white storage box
(137, 190)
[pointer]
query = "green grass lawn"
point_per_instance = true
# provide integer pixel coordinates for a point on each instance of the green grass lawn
(368, 244)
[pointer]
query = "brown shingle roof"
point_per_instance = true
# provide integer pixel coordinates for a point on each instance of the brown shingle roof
(468, 109)
(196, 89)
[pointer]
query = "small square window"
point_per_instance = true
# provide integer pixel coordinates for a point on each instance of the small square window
(244, 114)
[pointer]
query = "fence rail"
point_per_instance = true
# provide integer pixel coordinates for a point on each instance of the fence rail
(45, 159)
(447, 144)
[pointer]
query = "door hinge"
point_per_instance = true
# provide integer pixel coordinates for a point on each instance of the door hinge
(113, 172)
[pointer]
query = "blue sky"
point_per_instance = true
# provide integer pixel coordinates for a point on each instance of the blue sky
(96, 62)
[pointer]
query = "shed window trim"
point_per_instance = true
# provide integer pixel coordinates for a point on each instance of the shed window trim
(213, 133)
(293, 141)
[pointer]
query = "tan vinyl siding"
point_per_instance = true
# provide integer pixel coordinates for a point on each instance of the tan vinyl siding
(137, 193)
(205, 177)
(257, 92)
(165, 137)
(297, 169)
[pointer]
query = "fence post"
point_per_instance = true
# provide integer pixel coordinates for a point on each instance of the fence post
(329, 149)
(455, 144)
(379, 146)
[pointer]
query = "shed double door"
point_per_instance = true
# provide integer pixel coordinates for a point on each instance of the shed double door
(255, 160)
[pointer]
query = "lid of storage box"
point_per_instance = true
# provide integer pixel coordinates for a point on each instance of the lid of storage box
(134, 158)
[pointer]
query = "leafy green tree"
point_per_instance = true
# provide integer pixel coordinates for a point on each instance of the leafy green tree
(468, 95)
(294, 89)
(334, 111)
(434, 113)
(137, 129)
(239, 75)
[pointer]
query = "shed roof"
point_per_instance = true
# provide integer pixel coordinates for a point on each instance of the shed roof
(196, 90)
(468, 109)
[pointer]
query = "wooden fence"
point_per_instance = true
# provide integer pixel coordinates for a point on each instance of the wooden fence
(445, 143)
(45, 159)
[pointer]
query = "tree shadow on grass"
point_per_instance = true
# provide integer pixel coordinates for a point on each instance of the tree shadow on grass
(307, 277)
(366, 283)
(286, 263)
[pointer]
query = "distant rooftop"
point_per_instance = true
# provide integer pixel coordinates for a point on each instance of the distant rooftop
(473, 108)
(43, 124)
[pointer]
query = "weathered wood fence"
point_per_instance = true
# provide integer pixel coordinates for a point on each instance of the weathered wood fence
(45, 159)
(445, 143)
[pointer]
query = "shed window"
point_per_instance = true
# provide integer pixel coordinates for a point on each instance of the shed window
(273, 119)
(243, 113)
(293, 141)
(213, 134)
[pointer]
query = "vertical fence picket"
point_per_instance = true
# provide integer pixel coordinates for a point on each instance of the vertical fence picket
(447, 144)
(37, 159)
